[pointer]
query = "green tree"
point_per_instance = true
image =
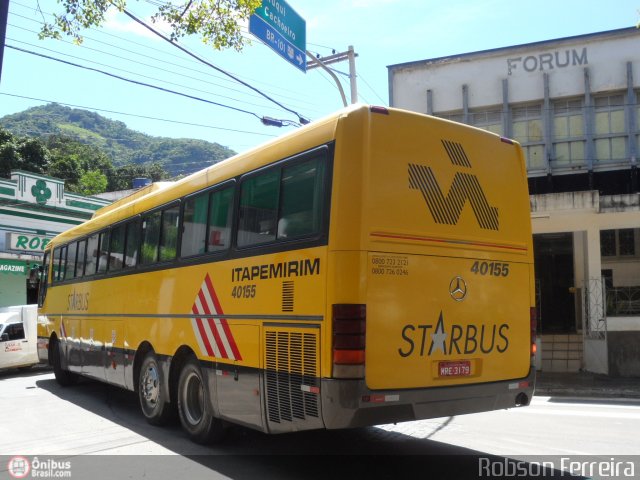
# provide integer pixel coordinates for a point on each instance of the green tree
(124, 175)
(21, 153)
(92, 182)
(70, 159)
(216, 21)
(67, 168)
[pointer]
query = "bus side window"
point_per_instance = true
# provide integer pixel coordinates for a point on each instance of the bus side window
(103, 259)
(133, 238)
(82, 248)
(194, 225)
(301, 199)
(169, 233)
(70, 271)
(150, 238)
(92, 254)
(116, 248)
(259, 196)
(44, 279)
(220, 215)
(63, 263)
(56, 265)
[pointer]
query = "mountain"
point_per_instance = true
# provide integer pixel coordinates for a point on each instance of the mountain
(123, 145)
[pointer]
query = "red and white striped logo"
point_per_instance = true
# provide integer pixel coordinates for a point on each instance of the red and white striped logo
(213, 334)
(63, 331)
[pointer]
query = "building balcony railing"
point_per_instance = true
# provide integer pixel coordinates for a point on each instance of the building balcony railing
(623, 301)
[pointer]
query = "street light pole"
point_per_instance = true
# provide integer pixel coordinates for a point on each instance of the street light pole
(323, 63)
(4, 14)
(352, 74)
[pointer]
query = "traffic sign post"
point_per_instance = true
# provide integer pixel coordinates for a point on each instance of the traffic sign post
(281, 28)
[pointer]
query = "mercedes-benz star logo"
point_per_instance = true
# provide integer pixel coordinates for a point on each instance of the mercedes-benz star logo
(458, 289)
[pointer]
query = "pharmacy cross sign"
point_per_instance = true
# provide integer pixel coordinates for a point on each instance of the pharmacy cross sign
(281, 28)
(41, 192)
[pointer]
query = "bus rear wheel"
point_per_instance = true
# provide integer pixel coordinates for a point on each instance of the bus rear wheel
(154, 399)
(65, 378)
(194, 406)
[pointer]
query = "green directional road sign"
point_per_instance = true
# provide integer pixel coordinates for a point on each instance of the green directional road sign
(285, 20)
(282, 29)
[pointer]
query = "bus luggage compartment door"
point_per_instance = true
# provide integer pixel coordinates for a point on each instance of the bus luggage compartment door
(440, 321)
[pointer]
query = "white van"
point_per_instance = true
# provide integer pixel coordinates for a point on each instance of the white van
(18, 336)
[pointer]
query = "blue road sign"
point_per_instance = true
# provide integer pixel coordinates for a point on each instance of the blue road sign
(287, 39)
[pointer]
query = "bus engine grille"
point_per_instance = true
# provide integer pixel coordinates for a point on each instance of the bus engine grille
(292, 383)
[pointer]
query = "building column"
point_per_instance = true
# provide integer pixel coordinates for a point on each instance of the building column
(594, 322)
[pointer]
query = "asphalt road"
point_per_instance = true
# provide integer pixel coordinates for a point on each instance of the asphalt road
(40, 419)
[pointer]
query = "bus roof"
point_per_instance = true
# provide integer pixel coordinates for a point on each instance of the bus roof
(316, 133)
(147, 190)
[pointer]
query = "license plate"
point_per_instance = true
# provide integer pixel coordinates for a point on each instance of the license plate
(454, 369)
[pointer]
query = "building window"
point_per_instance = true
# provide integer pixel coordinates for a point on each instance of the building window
(608, 243)
(490, 120)
(626, 242)
(610, 138)
(568, 133)
(527, 129)
(618, 243)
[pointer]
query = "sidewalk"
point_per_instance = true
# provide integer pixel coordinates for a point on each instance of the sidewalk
(584, 384)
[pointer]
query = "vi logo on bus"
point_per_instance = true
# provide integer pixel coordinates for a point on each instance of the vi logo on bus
(446, 209)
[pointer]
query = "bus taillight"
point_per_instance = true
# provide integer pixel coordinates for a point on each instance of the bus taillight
(533, 314)
(349, 328)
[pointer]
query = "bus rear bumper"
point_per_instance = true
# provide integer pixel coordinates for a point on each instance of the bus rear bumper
(349, 403)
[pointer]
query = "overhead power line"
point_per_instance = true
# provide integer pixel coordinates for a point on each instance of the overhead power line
(299, 98)
(138, 116)
(136, 82)
(301, 119)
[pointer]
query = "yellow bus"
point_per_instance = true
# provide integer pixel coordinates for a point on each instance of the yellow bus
(374, 266)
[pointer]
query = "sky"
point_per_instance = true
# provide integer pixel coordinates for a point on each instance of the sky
(382, 32)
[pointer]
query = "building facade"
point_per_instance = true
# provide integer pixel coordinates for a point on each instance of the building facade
(33, 209)
(572, 103)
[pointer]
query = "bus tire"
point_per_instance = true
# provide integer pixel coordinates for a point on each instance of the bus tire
(154, 399)
(194, 406)
(65, 378)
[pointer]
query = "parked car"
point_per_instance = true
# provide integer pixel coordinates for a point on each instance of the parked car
(18, 336)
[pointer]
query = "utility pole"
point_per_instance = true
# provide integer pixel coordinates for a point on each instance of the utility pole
(4, 14)
(323, 63)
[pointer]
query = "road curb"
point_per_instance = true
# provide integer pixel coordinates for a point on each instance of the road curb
(599, 393)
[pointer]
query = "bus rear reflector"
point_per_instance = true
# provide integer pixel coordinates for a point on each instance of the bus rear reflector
(376, 109)
(533, 314)
(349, 329)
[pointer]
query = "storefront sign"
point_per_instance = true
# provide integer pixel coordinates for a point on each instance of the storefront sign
(31, 243)
(17, 267)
